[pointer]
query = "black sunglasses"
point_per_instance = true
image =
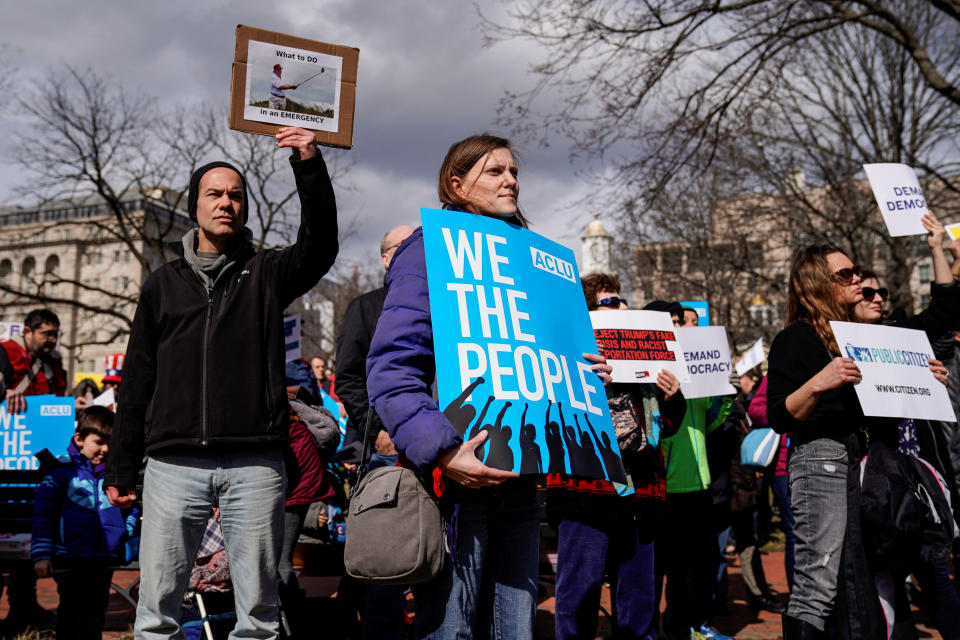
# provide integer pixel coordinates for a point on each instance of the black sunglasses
(846, 276)
(870, 292)
(613, 303)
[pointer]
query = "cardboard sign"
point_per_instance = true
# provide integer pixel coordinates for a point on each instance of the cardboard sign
(898, 193)
(510, 328)
(752, 358)
(702, 307)
(639, 344)
(285, 81)
(46, 424)
(897, 381)
(292, 334)
(707, 354)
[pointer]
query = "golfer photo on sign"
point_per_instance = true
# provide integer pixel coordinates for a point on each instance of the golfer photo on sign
(294, 87)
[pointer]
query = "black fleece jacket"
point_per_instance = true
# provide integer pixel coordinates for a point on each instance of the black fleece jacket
(204, 368)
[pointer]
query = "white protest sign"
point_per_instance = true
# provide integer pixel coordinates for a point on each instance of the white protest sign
(291, 337)
(8, 330)
(898, 193)
(897, 381)
(707, 353)
(106, 399)
(639, 344)
(751, 358)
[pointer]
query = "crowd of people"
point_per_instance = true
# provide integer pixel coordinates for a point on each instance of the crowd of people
(207, 434)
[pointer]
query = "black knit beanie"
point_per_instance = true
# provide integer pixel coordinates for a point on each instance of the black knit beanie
(673, 308)
(193, 194)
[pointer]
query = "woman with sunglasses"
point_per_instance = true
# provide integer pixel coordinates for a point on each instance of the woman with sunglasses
(921, 438)
(489, 586)
(810, 397)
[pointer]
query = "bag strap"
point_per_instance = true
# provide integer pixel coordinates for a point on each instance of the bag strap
(362, 468)
(27, 379)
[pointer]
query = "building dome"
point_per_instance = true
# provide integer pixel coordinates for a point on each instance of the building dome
(595, 228)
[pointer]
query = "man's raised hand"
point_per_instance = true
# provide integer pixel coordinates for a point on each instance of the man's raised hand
(302, 142)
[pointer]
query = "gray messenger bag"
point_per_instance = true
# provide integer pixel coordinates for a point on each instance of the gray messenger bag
(395, 533)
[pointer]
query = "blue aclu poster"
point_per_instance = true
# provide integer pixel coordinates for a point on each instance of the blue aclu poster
(46, 424)
(510, 328)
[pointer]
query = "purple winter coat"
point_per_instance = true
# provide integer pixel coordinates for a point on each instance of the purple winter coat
(400, 364)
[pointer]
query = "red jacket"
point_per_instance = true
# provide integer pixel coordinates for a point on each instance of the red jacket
(15, 363)
(305, 480)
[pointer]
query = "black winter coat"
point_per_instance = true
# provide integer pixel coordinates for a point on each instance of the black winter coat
(204, 369)
(353, 344)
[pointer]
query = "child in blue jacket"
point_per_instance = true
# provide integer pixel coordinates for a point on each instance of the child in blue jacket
(77, 532)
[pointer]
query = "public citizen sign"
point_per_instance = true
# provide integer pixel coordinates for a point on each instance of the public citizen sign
(897, 381)
(46, 424)
(510, 328)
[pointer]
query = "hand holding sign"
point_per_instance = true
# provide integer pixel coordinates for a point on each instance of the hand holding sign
(936, 232)
(462, 466)
(839, 372)
(301, 141)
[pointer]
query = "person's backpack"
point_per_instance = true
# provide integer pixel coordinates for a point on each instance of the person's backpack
(905, 509)
(393, 501)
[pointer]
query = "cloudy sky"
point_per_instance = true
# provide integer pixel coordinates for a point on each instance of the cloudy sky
(424, 81)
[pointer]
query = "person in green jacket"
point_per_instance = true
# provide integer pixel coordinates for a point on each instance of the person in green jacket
(686, 545)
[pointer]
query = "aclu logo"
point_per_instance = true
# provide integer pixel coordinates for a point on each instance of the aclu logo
(552, 264)
(55, 410)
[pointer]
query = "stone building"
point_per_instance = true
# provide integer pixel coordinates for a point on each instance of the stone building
(739, 258)
(85, 260)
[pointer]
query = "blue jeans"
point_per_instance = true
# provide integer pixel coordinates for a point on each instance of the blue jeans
(488, 587)
(585, 553)
(818, 491)
(179, 491)
(781, 497)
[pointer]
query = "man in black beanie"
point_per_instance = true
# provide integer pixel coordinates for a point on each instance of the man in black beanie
(204, 395)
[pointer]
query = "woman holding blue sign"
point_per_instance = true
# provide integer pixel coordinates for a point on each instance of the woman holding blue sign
(490, 585)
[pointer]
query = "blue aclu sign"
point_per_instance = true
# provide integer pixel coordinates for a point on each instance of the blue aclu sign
(46, 424)
(510, 327)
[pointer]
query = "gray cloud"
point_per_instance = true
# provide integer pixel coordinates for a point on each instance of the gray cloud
(424, 81)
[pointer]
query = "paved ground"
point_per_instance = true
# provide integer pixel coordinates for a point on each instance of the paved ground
(741, 622)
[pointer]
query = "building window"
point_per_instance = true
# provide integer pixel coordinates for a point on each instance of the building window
(115, 284)
(126, 256)
(923, 271)
(99, 256)
(28, 267)
(5, 268)
(52, 265)
(125, 281)
(116, 256)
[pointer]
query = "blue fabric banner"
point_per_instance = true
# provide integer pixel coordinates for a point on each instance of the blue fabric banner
(510, 327)
(48, 423)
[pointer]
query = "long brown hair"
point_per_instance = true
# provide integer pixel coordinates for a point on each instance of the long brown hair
(460, 159)
(812, 295)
